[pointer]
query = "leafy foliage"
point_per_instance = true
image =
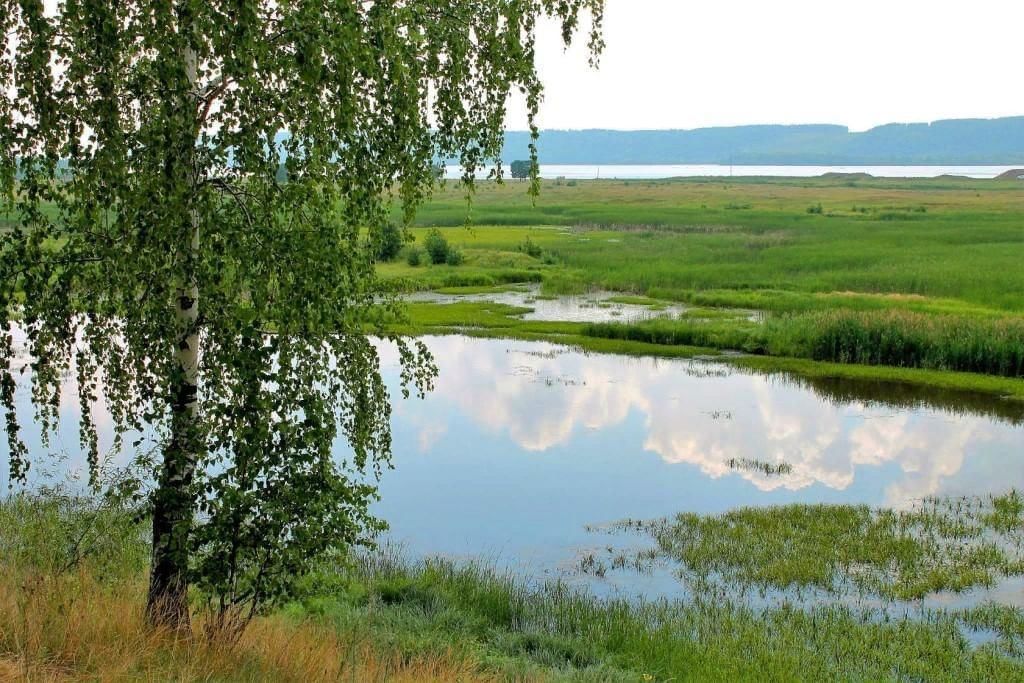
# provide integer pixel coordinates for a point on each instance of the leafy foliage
(437, 246)
(530, 248)
(389, 242)
(211, 166)
(454, 257)
(521, 168)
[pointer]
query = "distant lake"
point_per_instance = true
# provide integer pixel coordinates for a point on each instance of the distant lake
(654, 171)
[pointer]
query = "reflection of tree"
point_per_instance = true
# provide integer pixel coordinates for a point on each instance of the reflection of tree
(891, 394)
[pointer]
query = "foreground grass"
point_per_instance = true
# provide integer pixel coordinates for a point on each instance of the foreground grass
(72, 588)
(381, 617)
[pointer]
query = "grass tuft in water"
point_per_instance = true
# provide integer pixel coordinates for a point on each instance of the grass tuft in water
(939, 545)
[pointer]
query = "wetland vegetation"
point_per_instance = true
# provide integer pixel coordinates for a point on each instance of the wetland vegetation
(898, 273)
(901, 293)
(68, 606)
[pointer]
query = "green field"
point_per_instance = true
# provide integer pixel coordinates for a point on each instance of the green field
(904, 273)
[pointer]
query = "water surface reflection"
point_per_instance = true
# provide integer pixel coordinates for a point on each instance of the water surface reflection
(524, 444)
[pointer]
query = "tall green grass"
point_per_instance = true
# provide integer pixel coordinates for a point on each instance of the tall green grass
(677, 239)
(888, 337)
(903, 339)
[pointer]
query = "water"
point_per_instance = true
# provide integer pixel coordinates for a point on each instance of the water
(655, 171)
(592, 307)
(523, 445)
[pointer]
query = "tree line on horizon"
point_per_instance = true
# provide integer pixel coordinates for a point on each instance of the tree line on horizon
(958, 142)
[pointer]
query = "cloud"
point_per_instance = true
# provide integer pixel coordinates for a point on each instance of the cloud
(540, 396)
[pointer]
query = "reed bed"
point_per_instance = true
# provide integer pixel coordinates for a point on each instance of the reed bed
(894, 338)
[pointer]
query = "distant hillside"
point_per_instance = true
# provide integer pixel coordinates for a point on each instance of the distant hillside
(959, 142)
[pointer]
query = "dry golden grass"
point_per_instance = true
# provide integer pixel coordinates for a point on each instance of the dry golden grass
(72, 628)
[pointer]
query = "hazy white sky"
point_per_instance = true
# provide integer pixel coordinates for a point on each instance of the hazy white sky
(694, 63)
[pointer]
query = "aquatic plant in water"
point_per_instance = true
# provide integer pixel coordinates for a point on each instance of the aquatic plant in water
(940, 544)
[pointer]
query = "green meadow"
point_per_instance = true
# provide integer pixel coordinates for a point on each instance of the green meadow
(895, 273)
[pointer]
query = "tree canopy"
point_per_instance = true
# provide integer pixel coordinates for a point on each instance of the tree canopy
(157, 254)
(521, 168)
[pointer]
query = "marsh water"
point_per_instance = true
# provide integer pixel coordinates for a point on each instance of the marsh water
(591, 307)
(524, 447)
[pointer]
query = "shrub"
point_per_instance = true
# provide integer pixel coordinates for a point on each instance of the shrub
(414, 257)
(436, 246)
(530, 248)
(816, 209)
(389, 242)
(454, 257)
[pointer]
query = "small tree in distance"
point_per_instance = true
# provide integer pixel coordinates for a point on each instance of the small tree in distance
(521, 169)
(389, 242)
(191, 182)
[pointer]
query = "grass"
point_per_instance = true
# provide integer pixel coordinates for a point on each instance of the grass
(674, 238)
(939, 545)
(381, 617)
(895, 338)
(72, 588)
(903, 273)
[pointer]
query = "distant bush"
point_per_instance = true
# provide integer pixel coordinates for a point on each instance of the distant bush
(436, 246)
(816, 209)
(571, 183)
(389, 242)
(414, 257)
(454, 257)
(530, 248)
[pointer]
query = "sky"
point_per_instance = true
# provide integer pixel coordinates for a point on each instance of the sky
(859, 63)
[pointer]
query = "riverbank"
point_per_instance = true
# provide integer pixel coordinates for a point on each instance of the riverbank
(73, 611)
(708, 338)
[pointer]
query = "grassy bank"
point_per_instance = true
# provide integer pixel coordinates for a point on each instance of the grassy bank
(898, 273)
(902, 339)
(697, 335)
(382, 617)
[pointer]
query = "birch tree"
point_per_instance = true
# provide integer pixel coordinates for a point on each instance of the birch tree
(190, 193)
